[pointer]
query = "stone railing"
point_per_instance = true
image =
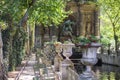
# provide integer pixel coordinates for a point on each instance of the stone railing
(72, 75)
(110, 59)
(47, 71)
(45, 67)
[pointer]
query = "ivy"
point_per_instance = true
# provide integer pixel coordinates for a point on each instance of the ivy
(16, 47)
(7, 47)
(19, 38)
(7, 36)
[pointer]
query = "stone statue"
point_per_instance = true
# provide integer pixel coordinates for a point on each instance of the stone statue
(88, 26)
(67, 29)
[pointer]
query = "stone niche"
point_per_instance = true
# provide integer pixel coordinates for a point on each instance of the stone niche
(86, 16)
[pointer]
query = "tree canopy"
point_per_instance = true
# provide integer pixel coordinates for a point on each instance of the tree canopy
(110, 14)
(46, 12)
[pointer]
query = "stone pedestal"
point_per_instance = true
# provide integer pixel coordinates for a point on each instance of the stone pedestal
(65, 64)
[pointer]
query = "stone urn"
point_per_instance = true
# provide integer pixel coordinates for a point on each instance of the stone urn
(67, 49)
(89, 58)
(66, 63)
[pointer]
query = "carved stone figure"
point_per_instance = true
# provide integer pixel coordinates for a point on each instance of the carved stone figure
(88, 25)
(67, 30)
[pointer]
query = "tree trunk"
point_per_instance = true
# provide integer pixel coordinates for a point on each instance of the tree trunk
(115, 37)
(23, 23)
(24, 19)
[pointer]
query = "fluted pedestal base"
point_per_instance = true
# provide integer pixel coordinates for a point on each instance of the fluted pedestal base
(88, 74)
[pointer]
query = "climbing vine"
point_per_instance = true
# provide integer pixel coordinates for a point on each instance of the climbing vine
(7, 36)
(16, 48)
(19, 38)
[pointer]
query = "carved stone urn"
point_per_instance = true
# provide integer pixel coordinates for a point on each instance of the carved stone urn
(89, 58)
(66, 63)
(67, 49)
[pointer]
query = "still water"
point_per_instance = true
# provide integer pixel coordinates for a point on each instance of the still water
(105, 72)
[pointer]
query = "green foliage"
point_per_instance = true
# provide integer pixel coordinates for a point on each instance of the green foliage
(7, 42)
(107, 34)
(7, 47)
(3, 25)
(107, 76)
(46, 12)
(87, 40)
(105, 41)
(111, 9)
(83, 40)
(93, 38)
(17, 46)
(110, 15)
(19, 38)
(13, 8)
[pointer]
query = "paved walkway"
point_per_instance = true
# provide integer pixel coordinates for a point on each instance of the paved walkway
(32, 70)
(28, 72)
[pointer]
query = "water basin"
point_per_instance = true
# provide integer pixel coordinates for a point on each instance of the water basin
(104, 72)
(107, 72)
